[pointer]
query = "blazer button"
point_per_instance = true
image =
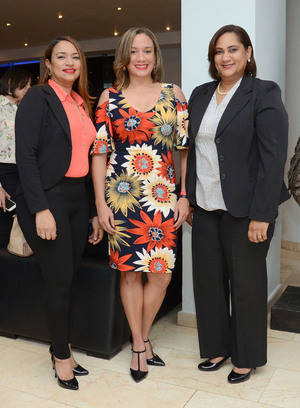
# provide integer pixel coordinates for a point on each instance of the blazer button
(218, 140)
(223, 176)
(221, 157)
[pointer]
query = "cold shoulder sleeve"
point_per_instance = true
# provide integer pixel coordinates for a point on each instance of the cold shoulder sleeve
(104, 142)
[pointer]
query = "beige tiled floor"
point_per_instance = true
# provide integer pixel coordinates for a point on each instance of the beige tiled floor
(27, 381)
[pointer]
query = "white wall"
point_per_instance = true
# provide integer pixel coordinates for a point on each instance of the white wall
(291, 210)
(200, 20)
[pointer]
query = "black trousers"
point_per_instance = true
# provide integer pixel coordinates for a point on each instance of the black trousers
(226, 265)
(59, 259)
(9, 181)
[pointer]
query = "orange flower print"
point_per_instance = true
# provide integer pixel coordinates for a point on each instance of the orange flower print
(134, 126)
(167, 167)
(157, 233)
(102, 113)
(118, 262)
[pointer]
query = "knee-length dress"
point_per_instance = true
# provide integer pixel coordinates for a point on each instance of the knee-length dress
(140, 178)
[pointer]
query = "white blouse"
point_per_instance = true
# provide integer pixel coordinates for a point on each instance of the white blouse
(208, 185)
(8, 111)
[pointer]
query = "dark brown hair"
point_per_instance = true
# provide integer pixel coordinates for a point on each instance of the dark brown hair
(123, 54)
(243, 38)
(81, 83)
(12, 79)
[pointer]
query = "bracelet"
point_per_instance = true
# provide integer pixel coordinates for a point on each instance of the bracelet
(183, 195)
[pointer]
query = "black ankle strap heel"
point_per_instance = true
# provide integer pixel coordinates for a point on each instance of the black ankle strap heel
(155, 360)
(138, 375)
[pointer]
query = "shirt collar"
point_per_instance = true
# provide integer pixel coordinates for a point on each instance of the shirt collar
(63, 95)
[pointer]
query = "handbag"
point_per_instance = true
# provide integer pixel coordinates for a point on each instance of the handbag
(17, 243)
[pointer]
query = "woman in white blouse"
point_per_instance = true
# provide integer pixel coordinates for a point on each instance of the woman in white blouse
(238, 141)
(14, 84)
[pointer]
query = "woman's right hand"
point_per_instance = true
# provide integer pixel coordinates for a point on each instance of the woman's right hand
(106, 218)
(45, 225)
(3, 196)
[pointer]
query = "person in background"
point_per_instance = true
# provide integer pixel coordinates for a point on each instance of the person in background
(139, 121)
(14, 84)
(238, 129)
(54, 133)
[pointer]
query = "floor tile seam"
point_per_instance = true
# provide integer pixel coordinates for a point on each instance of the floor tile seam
(9, 388)
(284, 368)
(191, 397)
(152, 380)
(230, 396)
(265, 388)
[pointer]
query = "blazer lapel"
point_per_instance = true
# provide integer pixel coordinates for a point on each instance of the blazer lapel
(236, 103)
(199, 107)
(58, 110)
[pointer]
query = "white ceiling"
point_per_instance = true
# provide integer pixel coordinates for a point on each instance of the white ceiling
(36, 22)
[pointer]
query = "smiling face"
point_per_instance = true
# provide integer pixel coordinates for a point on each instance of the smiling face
(65, 64)
(231, 57)
(142, 58)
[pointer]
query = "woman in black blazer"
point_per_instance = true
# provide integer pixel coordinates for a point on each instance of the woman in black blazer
(53, 135)
(238, 130)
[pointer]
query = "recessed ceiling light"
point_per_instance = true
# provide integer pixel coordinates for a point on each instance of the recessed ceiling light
(8, 24)
(25, 44)
(168, 28)
(116, 33)
(119, 8)
(59, 16)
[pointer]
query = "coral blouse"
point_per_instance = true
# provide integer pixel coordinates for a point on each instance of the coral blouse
(83, 132)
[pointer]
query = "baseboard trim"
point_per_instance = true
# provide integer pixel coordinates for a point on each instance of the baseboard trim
(291, 246)
(186, 319)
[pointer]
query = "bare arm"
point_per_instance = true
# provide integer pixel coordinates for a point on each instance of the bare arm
(182, 208)
(105, 215)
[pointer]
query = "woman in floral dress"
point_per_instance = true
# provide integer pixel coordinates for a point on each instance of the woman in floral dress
(139, 122)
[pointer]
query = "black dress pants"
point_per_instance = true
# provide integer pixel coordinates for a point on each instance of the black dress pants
(59, 259)
(227, 266)
(9, 181)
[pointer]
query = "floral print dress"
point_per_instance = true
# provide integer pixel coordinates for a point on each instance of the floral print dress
(140, 178)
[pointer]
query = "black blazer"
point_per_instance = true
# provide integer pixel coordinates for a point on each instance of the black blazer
(43, 146)
(251, 142)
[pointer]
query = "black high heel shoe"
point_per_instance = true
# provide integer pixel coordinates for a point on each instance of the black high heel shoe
(155, 360)
(235, 378)
(78, 370)
(138, 375)
(207, 365)
(71, 384)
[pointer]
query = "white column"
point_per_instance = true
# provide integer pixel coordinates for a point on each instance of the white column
(291, 210)
(200, 20)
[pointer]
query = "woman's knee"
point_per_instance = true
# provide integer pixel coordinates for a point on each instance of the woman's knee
(160, 281)
(130, 278)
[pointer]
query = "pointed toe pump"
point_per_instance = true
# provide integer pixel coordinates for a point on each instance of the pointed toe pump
(207, 365)
(71, 384)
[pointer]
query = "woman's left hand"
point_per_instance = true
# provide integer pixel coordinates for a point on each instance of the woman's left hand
(97, 234)
(257, 231)
(181, 212)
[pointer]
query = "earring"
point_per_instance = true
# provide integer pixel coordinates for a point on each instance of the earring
(49, 72)
(124, 68)
(249, 59)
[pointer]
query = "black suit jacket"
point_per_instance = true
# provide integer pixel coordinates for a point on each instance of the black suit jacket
(43, 146)
(251, 142)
